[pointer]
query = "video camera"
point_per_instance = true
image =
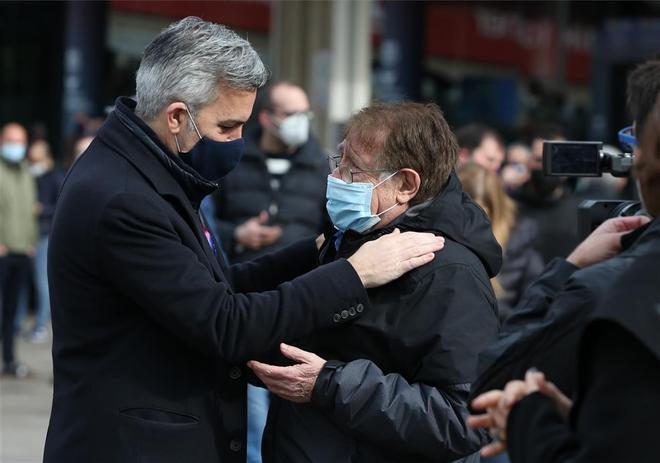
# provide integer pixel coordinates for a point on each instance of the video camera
(587, 159)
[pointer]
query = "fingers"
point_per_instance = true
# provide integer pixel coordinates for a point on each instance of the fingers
(263, 370)
(298, 355)
(480, 421)
(487, 400)
(493, 449)
(415, 262)
(624, 224)
(262, 218)
(513, 392)
(533, 379)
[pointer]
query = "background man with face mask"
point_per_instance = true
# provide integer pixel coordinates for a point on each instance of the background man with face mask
(396, 383)
(151, 327)
(18, 234)
(277, 193)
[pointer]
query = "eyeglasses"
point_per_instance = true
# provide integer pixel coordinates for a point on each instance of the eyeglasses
(627, 137)
(345, 172)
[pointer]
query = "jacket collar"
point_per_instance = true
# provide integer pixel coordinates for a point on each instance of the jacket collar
(165, 171)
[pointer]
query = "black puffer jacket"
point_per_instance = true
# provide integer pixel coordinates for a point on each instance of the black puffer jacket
(395, 385)
(521, 266)
(295, 201)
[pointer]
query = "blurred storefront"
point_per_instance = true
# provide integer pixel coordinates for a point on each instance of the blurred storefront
(512, 65)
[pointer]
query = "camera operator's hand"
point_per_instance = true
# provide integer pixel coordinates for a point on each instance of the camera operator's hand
(383, 260)
(605, 241)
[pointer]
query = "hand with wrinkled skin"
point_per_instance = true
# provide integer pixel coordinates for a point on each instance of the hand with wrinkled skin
(498, 405)
(383, 260)
(605, 241)
(293, 383)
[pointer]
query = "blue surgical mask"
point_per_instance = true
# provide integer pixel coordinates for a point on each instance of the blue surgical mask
(13, 152)
(349, 204)
(212, 159)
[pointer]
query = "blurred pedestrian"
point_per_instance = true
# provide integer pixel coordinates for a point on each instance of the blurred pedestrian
(18, 234)
(276, 195)
(515, 171)
(481, 144)
(521, 262)
(49, 180)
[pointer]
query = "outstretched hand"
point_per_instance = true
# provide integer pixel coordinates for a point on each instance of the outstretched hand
(605, 241)
(293, 383)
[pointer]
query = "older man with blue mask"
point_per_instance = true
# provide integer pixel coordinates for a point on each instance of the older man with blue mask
(393, 386)
(151, 327)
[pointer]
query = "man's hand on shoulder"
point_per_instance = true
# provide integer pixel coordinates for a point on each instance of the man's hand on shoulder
(383, 260)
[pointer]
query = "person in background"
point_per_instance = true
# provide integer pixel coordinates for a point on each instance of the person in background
(276, 195)
(515, 171)
(49, 180)
(521, 262)
(551, 202)
(18, 235)
(481, 144)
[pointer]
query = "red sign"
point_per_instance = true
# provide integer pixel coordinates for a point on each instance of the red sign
(484, 35)
(245, 15)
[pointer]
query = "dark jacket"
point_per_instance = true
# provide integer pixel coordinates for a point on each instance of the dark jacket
(545, 329)
(618, 392)
(295, 201)
(48, 188)
(396, 383)
(151, 330)
(521, 265)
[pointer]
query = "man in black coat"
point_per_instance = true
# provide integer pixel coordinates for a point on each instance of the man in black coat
(276, 195)
(589, 331)
(396, 383)
(151, 327)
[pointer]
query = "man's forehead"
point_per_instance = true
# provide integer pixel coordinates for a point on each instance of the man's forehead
(289, 98)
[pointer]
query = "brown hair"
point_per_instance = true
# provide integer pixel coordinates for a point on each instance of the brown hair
(647, 162)
(486, 188)
(408, 135)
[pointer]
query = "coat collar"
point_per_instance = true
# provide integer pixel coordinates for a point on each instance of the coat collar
(164, 171)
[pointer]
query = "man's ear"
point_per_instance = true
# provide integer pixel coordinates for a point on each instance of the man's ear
(177, 116)
(409, 183)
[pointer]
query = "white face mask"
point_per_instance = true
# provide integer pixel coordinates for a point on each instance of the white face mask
(294, 130)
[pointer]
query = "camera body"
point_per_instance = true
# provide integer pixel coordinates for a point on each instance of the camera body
(587, 159)
(583, 159)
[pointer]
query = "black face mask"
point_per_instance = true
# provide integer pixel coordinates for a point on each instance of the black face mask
(212, 159)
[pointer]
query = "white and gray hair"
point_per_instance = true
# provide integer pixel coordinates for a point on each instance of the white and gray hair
(188, 60)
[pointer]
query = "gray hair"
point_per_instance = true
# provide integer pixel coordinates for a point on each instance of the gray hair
(188, 60)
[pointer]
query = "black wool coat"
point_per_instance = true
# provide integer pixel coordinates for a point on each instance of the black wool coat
(396, 382)
(151, 329)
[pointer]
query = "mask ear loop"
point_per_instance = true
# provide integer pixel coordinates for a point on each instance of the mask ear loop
(193, 123)
(385, 179)
(380, 183)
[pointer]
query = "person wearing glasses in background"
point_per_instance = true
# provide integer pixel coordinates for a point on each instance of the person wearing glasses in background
(394, 386)
(276, 195)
